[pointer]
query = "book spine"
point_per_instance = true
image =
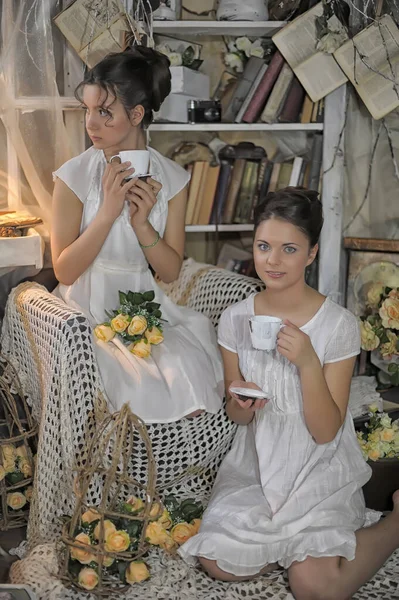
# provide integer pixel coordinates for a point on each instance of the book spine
(315, 162)
(293, 103)
(265, 87)
(221, 191)
(277, 97)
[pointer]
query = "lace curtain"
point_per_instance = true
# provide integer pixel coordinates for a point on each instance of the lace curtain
(35, 125)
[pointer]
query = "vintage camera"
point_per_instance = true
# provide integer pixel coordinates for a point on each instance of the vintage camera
(204, 111)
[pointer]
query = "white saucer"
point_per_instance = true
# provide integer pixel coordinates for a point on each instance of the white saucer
(248, 392)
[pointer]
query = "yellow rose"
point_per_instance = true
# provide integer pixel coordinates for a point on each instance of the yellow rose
(374, 294)
(388, 349)
(387, 435)
(8, 452)
(26, 468)
(88, 578)
(138, 325)
(2, 472)
(196, 523)
(136, 503)
(389, 313)
(394, 294)
(21, 452)
(120, 323)
(156, 510)
(109, 528)
(104, 332)
(107, 561)
(154, 336)
(90, 515)
(370, 340)
(167, 543)
(142, 349)
(117, 541)
(82, 554)
(16, 500)
(9, 465)
(28, 493)
(374, 454)
(155, 533)
(182, 532)
(165, 520)
(136, 572)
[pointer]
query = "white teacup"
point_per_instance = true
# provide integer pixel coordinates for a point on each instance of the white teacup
(139, 159)
(264, 331)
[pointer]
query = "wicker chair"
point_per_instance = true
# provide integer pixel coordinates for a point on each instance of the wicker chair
(51, 346)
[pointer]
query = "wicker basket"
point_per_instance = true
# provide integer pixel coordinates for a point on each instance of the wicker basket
(18, 444)
(98, 556)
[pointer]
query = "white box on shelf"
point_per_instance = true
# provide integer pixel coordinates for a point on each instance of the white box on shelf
(174, 108)
(189, 82)
(22, 251)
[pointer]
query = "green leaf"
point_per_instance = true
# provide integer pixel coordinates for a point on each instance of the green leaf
(196, 63)
(14, 478)
(188, 56)
(153, 305)
(395, 378)
(130, 296)
(149, 296)
(122, 566)
(157, 313)
(393, 368)
(122, 298)
(137, 298)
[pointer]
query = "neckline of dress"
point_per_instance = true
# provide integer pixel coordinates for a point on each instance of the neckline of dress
(307, 324)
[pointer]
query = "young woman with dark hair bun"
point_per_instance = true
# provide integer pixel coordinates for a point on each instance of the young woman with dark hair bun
(289, 492)
(108, 231)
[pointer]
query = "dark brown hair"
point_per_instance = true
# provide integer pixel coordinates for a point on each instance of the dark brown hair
(297, 206)
(137, 76)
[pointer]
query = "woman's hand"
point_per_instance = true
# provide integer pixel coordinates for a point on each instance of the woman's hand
(115, 189)
(295, 345)
(250, 405)
(142, 198)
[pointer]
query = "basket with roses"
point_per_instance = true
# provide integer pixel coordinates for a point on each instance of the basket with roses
(379, 329)
(137, 322)
(18, 442)
(118, 519)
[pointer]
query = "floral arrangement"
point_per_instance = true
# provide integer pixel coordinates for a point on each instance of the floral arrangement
(379, 326)
(181, 56)
(171, 525)
(241, 49)
(15, 467)
(381, 436)
(137, 321)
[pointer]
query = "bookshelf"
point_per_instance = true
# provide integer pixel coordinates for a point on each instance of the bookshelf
(234, 28)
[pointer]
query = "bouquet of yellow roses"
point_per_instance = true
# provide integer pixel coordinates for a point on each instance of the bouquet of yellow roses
(379, 326)
(16, 472)
(137, 321)
(380, 436)
(166, 529)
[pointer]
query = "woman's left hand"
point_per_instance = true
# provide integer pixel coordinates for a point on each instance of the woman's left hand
(295, 345)
(142, 198)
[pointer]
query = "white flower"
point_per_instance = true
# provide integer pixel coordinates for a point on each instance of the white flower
(175, 59)
(243, 44)
(232, 47)
(233, 61)
(385, 420)
(163, 49)
(257, 51)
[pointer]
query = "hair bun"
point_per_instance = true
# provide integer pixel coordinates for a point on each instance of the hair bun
(158, 73)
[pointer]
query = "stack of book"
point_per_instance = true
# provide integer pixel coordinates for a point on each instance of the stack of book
(229, 192)
(270, 93)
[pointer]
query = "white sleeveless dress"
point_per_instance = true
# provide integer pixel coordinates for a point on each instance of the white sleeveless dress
(185, 372)
(279, 496)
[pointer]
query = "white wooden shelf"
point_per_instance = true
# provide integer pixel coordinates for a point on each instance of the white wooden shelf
(234, 28)
(222, 228)
(248, 127)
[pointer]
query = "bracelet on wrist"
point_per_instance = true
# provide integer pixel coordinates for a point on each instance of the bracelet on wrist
(153, 243)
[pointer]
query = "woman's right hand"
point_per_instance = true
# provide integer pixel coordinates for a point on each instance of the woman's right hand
(115, 190)
(250, 405)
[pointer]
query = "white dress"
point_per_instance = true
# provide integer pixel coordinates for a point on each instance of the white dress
(184, 373)
(279, 496)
